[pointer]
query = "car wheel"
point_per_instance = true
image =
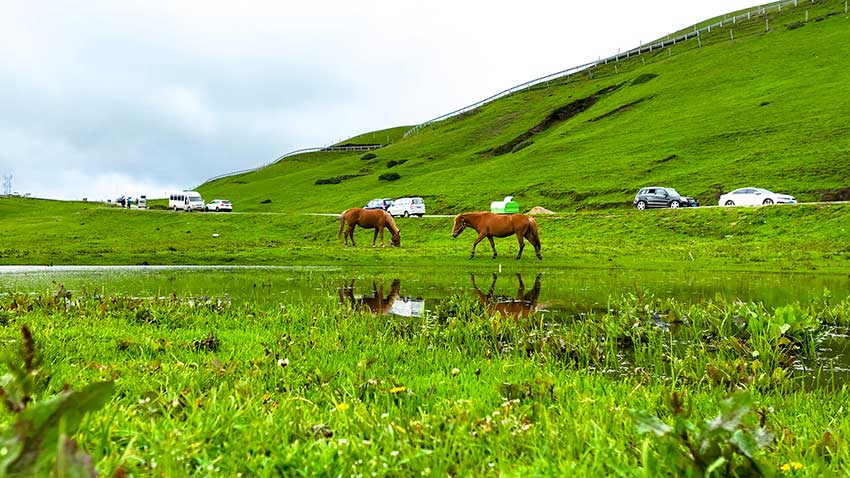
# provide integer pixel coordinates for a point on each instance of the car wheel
(216, 209)
(406, 214)
(674, 204)
(729, 203)
(641, 205)
(768, 202)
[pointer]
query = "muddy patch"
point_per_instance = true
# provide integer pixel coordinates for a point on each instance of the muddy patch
(621, 109)
(835, 195)
(644, 78)
(555, 118)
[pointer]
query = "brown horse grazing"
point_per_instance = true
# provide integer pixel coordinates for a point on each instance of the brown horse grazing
(377, 304)
(376, 219)
(491, 225)
(524, 304)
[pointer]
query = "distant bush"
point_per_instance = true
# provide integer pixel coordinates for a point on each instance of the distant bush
(643, 78)
(396, 163)
(266, 201)
(522, 145)
(794, 26)
(389, 177)
(368, 156)
(328, 181)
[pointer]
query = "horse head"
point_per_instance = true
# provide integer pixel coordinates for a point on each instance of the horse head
(460, 225)
(395, 241)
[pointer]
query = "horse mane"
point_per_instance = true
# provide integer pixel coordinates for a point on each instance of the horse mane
(391, 223)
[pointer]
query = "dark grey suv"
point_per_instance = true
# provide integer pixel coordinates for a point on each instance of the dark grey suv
(662, 197)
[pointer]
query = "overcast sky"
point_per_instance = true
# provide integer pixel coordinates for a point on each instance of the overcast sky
(103, 98)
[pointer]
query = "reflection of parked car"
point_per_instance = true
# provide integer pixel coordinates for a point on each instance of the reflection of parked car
(407, 207)
(220, 205)
(754, 197)
(662, 197)
(379, 204)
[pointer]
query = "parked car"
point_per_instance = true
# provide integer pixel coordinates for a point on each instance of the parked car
(143, 202)
(186, 201)
(407, 207)
(379, 204)
(754, 197)
(662, 197)
(220, 205)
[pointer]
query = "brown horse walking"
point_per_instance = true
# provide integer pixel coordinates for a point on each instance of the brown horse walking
(491, 225)
(524, 304)
(376, 219)
(377, 303)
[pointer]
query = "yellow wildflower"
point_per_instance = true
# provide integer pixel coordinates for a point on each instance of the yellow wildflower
(397, 389)
(342, 407)
(796, 466)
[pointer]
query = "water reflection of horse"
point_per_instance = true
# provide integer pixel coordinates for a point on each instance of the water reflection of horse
(376, 219)
(491, 225)
(524, 304)
(377, 304)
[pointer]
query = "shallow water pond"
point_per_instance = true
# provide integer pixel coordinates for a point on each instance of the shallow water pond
(556, 294)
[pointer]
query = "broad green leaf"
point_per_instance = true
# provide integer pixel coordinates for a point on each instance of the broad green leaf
(732, 411)
(746, 442)
(647, 422)
(715, 465)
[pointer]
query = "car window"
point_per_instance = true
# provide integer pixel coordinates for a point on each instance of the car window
(650, 191)
(739, 191)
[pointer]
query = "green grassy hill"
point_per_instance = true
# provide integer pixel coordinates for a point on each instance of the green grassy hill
(766, 109)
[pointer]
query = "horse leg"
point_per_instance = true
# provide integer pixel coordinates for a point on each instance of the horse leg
(350, 233)
(375, 237)
(474, 244)
(382, 237)
(492, 246)
(521, 246)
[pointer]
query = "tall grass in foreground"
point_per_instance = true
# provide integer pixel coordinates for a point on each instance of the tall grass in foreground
(205, 387)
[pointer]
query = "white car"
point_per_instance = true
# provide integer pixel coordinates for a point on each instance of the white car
(754, 197)
(220, 205)
(407, 207)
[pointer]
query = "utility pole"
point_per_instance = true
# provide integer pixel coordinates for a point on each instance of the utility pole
(7, 185)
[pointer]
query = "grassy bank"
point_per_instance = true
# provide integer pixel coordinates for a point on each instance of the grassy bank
(796, 238)
(217, 389)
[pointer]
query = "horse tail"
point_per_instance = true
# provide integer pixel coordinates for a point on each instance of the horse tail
(531, 234)
(341, 223)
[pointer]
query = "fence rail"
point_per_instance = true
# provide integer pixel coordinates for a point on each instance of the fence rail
(365, 147)
(666, 43)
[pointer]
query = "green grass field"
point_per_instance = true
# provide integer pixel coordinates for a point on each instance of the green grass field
(778, 238)
(219, 389)
(766, 109)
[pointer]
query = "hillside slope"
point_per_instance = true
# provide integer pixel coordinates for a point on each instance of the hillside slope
(739, 107)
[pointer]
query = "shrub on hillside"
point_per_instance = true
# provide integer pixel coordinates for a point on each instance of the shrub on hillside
(643, 78)
(389, 177)
(266, 201)
(368, 156)
(328, 181)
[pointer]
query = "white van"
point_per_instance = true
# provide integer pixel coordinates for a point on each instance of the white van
(407, 207)
(186, 201)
